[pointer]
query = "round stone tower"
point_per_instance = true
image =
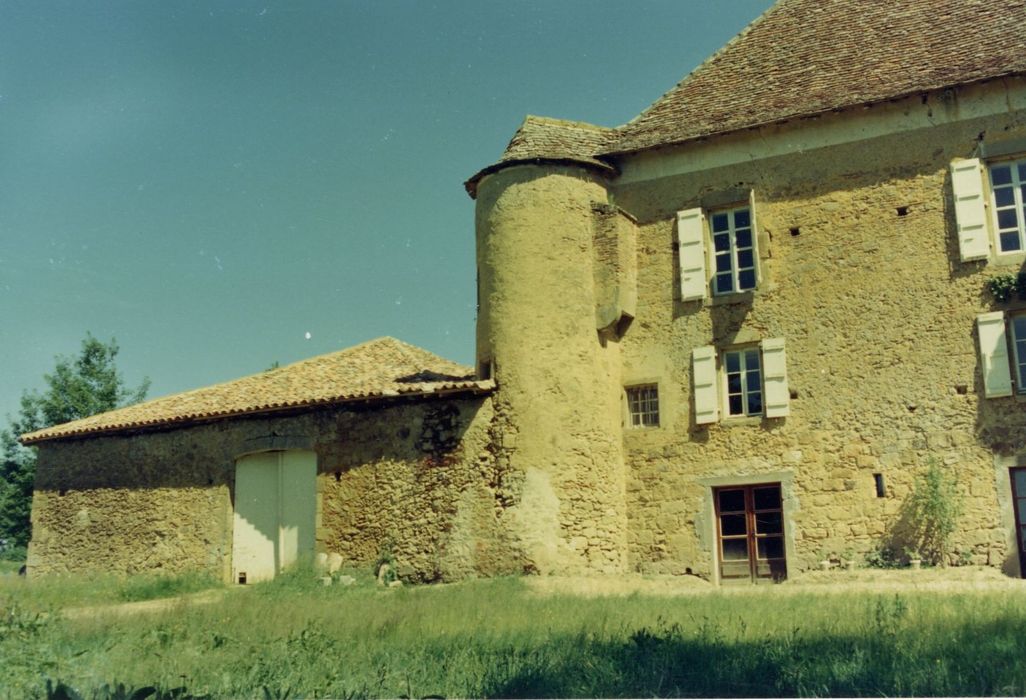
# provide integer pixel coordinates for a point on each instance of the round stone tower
(558, 400)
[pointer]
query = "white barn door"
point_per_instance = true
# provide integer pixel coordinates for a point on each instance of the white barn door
(275, 507)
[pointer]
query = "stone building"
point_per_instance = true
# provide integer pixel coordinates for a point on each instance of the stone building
(724, 338)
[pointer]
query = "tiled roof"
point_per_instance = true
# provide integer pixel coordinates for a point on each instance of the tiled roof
(805, 57)
(542, 138)
(374, 370)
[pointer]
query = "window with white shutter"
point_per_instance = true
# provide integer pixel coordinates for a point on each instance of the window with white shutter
(777, 395)
(970, 213)
(703, 374)
(997, 379)
(691, 242)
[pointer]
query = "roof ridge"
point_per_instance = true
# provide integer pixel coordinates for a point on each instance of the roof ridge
(572, 123)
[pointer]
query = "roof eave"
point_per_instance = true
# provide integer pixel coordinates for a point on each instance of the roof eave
(805, 115)
(476, 388)
(598, 165)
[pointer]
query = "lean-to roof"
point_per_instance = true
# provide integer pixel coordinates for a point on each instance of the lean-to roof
(376, 370)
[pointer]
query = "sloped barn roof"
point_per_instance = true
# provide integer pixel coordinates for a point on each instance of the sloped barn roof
(375, 370)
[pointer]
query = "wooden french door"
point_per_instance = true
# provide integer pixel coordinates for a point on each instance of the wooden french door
(1019, 506)
(750, 532)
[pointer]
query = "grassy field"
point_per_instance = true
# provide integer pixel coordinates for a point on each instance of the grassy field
(499, 638)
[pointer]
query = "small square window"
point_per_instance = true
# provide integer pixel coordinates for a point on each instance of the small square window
(733, 251)
(643, 406)
(1008, 202)
(742, 370)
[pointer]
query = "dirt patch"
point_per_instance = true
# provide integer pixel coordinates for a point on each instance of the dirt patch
(147, 606)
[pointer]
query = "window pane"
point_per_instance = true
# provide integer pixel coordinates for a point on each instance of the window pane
(721, 242)
(724, 283)
(751, 359)
(754, 404)
(1022, 510)
(735, 550)
(769, 523)
(1007, 219)
(742, 218)
(767, 497)
(743, 238)
(1010, 241)
(746, 279)
(1020, 483)
(1004, 196)
(723, 262)
(733, 361)
(745, 258)
(734, 383)
(1019, 327)
(1000, 175)
(736, 406)
(733, 524)
(719, 222)
(754, 381)
(731, 500)
(771, 548)
(1022, 172)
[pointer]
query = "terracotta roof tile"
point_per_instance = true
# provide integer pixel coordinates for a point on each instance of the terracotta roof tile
(374, 370)
(805, 57)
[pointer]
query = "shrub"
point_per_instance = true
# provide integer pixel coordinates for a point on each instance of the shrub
(934, 509)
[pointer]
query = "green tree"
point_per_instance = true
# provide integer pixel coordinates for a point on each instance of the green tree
(78, 387)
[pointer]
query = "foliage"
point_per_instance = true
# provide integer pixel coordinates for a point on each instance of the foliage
(935, 508)
(1002, 287)
(497, 638)
(78, 387)
(882, 556)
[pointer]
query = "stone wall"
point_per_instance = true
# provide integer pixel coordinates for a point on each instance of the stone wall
(861, 276)
(415, 477)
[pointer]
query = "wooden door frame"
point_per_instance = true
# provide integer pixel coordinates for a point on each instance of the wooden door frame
(751, 534)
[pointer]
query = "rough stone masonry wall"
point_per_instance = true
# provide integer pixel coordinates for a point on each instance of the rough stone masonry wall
(878, 315)
(415, 477)
(558, 399)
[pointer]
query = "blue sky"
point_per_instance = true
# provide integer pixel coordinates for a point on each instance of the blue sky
(209, 182)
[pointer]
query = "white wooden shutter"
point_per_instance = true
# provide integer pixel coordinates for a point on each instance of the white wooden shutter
(997, 377)
(691, 241)
(970, 213)
(703, 374)
(776, 395)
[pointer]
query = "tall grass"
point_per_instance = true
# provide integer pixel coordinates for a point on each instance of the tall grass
(496, 638)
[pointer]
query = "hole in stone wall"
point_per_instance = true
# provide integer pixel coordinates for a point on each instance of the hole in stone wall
(902, 211)
(242, 578)
(338, 476)
(61, 492)
(881, 490)
(794, 393)
(795, 231)
(912, 408)
(962, 389)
